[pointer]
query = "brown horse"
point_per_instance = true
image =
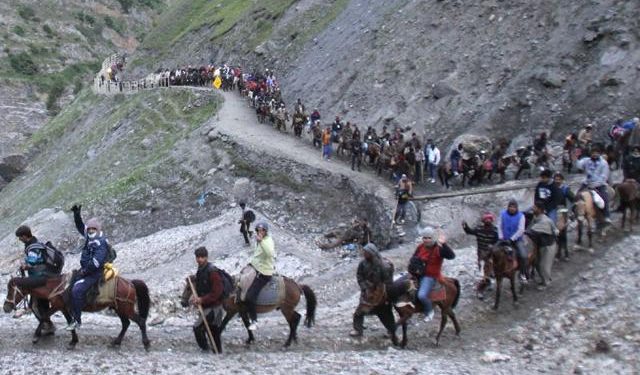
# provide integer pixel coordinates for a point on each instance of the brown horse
(128, 296)
(401, 290)
(503, 267)
(287, 306)
(629, 194)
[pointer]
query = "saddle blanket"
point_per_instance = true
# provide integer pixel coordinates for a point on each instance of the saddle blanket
(270, 294)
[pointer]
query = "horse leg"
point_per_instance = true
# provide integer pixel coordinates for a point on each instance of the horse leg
(388, 321)
(590, 235)
(38, 333)
(452, 315)
(245, 321)
(443, 323)
(498, 288)
(293, 318)
(404, 313)
(125, 325)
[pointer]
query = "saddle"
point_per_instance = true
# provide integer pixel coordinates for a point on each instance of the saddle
(438, 292)
(270, 294)
(102, 293)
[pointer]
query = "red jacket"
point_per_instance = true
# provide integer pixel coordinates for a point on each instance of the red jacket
(433, 257)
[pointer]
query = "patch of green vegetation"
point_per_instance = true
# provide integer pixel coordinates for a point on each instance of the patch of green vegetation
(49, 31)
(220, 16)
(127, 4)
(118, 26)
(22, 63)
(18, 30)
(118, 167)
(85, 18)
(27, 13)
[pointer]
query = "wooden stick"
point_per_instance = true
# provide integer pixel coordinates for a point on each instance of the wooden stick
(204, 319)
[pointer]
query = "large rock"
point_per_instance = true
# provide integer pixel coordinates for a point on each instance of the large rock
(471, 144)
(11, 166)
(243, 191)
(550, 78)
(443, 89)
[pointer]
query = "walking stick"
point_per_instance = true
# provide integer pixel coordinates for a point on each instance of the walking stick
(204, 319)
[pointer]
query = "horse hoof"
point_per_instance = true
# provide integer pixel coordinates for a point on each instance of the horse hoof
(35, 339)
(147, 345)
(71, 346)
(115, 344)
(495, 308)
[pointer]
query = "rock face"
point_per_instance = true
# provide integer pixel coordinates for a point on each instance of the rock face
(11, 166)
(445, 68)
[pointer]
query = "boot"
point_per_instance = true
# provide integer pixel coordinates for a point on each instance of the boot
(201, 337)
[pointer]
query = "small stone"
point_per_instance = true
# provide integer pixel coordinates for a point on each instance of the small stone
(603, 346)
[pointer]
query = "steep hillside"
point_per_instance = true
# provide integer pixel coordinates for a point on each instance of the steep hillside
(115, 154)
(51, 49)
(442, 67)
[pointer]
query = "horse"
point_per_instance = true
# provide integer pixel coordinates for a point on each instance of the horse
(503, 268)
(445, 173)
(587, 212)
(402, 288)
(628, 192)
(471, 170)
(344, 144)
(287, 306)
(501, 167)
(129, 294)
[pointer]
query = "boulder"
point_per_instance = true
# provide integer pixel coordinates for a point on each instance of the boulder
(11, 166)
(243, 191)
(442, 89)
(471, 144)
(550, 78)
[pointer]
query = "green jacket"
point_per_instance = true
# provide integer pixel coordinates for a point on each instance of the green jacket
(264, 256)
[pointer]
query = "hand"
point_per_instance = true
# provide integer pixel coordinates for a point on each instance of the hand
(76, 208)
(195, 300)
(24, 266)
(259, 235)
(441, 238)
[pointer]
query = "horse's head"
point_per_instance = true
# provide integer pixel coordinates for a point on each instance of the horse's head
(186, 293)
(14, 296)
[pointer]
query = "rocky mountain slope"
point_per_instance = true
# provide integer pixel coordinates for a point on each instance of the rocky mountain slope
(442, 67)
(51, 49)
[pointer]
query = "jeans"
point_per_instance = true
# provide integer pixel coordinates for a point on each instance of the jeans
(401, 211)
(79, 293)
(553, 215)
(432, 170)
(326, 151)
(426, 284)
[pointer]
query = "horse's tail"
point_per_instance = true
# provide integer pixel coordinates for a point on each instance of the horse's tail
(312, 303)
(457, 298)
(142, 296)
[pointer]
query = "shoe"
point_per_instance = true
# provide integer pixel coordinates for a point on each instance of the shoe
(541, 287)
(253, 326)
(608, 220)
(355, 333)
(428, 317)
(73, 326)
(455, 174)
(523, 279)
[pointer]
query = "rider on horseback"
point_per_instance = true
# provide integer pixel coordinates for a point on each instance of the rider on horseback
(375, 277)
(585, 137)
(94, 255)
(263, 261)
(37, 270)
(597, 170)
(511, 228)
(432, 253)
(486, 235)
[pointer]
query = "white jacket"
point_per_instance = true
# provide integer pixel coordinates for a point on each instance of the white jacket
(434, 155)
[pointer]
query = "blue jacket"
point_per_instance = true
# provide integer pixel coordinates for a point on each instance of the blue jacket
(509, 225)
(94, 254)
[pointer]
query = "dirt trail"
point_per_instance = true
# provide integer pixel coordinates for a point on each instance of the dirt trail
(237, 120)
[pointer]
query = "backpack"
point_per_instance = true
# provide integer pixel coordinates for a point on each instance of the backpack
(228, 284)
(111, 254)
(53, 258)
(416, 266)
(249, 216)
